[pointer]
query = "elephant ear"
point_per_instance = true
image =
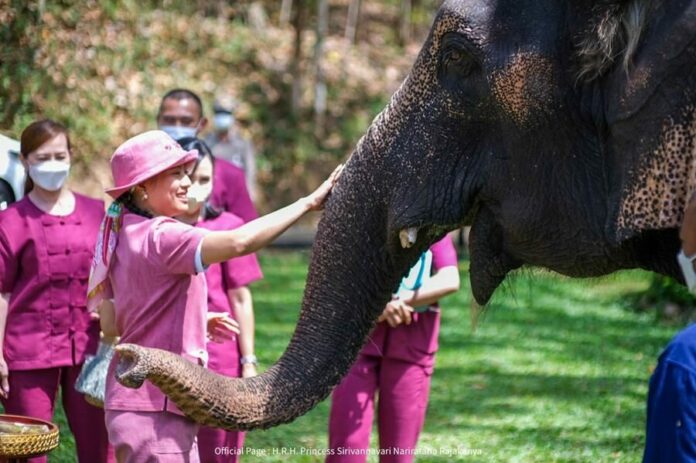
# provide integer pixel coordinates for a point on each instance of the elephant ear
(664, 30)
(650, 112)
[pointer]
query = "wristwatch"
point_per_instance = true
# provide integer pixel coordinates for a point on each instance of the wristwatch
(249, 359)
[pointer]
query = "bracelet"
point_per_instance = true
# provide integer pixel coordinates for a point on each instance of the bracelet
(249, 359)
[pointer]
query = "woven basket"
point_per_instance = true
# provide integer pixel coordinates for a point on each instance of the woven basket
(27, 445)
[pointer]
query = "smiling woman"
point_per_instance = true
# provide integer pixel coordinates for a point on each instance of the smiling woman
(152, 266)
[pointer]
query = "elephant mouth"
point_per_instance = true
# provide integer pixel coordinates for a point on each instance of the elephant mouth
(487, 275)
(490, 263)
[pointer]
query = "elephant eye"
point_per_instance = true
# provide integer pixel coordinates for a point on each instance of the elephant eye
(454, 56)
(459, 61)
(459, 56)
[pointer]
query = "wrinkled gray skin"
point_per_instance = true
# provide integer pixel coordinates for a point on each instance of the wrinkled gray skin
(561, 131)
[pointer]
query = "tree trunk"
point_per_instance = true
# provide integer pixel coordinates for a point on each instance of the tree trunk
(352, 21)
(257, 16)
(298, 24)
(405, 22)
(285, 10)
(320, 83)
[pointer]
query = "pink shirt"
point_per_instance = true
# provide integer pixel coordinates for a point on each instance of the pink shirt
(418, 341)
(235, 273)
(230, 191)
(159, 300)
(44, 265)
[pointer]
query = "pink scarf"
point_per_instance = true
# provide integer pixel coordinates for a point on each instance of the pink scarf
(99, 287)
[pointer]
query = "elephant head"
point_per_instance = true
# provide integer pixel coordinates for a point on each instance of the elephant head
(562, 131)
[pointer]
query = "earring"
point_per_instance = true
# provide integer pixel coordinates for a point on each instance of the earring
(143, 195)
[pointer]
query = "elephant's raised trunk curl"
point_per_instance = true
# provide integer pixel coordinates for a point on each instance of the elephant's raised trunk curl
(350, 278)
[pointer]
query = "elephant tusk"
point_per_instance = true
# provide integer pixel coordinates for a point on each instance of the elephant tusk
(408, 237)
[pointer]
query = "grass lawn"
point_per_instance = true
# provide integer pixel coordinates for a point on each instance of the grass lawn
(557, 371)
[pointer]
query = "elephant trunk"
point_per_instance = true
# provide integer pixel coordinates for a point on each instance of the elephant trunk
(351, 276)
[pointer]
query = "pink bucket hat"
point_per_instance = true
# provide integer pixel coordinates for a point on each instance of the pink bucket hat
(144, 156)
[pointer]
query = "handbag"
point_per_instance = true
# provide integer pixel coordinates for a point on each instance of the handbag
(92, 379)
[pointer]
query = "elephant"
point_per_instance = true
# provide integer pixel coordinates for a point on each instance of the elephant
(562, 131)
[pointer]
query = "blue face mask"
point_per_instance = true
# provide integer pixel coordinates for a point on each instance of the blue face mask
(177, 132)
(223, 121)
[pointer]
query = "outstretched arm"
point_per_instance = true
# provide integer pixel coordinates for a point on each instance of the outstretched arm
(220, 246)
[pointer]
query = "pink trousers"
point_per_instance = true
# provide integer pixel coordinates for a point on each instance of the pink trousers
(403, 399)
(210, 439)
(33, 393)
(152, 437)
(215, 445)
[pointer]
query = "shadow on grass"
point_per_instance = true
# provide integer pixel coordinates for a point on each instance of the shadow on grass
(557, 370)
(557, 366)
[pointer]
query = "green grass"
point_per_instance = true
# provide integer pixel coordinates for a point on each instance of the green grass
(557, 371)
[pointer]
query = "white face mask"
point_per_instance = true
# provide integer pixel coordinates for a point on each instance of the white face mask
(49, 175)
(687, 267)
(197, 195)
(177, 132)
(223, 121)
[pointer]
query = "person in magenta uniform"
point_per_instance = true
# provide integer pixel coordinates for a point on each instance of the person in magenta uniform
(228, 294)
(398, 362)
(46, 245)
(152, 267)
(181, 115)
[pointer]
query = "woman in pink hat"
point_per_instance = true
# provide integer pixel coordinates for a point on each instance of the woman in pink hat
(228, 296)
(152, 266)
(46, 245)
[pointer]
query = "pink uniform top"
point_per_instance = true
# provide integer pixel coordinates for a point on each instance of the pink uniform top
(159, 300)
(417, 341)
(234, 273)
(230, 191)
(44, 265)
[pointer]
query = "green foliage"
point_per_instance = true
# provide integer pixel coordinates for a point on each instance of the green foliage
(557, 371)
(100, 67)
(667, 299)
(664, 288)
(19, 78)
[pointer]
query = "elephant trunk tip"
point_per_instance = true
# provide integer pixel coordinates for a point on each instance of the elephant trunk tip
(131, 369)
